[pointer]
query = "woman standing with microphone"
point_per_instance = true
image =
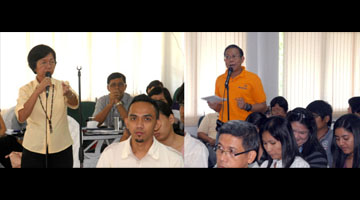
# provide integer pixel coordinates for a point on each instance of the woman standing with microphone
(43, 104)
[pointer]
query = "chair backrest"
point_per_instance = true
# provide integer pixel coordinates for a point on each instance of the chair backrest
(200, 120)
(87, 109)
(74, 132)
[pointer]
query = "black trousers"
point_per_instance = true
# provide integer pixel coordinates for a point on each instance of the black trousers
(62, 159)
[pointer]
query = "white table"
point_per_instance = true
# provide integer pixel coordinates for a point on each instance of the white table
(99, 137)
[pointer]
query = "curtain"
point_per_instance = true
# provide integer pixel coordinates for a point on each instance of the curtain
(204, 63)
(321, 66)
(141, 57)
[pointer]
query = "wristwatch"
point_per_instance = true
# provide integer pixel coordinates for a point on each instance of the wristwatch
(248, 107)
(119, 103)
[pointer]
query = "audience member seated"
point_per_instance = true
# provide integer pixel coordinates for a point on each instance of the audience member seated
(280, 146)
(176, 105)
(278, 106)
(195, 152)
(258, 119)
(322, 113)
(152, 85)
(141, 149)
(354, 106)
(304, 128)
(11, 121)
(207, 129)
(165, 134)
(115, 104)
(8, 144)
(161, 94)
(238, 144)
(346, 143)
(207, 134)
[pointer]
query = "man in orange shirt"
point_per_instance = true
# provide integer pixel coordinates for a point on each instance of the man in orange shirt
(246, 93)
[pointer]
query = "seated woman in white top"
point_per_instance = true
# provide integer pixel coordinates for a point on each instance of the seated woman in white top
(165, 133)
(278, 140)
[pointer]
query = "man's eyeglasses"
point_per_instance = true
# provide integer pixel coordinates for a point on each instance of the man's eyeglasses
(220, 149)
(227, 57)
(120, 85)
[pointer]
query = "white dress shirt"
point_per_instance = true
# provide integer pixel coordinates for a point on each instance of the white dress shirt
(195, 152)
(299, 162)
(121, 155)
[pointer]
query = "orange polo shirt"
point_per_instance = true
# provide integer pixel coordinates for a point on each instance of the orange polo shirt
(246, 85)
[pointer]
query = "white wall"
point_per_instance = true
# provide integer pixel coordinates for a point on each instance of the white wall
(263, 59)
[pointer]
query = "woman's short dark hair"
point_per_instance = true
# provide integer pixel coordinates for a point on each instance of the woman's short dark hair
(257, 118)
(164, 108)
(234, 46)
(38, 52)
(280, 129)
(281, 101)
(154, 83)
(116, 75)
(351, 123)
(165, 91)
(244, 130)
(321, 108)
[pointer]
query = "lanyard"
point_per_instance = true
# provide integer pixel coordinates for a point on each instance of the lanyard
(51, 109)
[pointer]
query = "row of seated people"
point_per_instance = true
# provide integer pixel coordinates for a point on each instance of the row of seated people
(311, 127)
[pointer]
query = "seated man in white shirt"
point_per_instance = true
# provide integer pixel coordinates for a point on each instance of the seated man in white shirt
(195, 152)
(141, 149)
(238, 144)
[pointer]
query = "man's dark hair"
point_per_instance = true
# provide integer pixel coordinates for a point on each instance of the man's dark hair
(116, 75)
(354, 103)
(180, 95)
(145, 98)
(38, 52)
(244, 130)
(234, 46)
(321, 108)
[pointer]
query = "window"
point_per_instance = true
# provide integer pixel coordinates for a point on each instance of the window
(141, 57)
(320, 66)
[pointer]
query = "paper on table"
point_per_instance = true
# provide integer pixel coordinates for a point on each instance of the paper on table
(213, 99)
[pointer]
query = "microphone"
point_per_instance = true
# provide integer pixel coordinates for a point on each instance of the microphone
(230, 70)
(47, 74)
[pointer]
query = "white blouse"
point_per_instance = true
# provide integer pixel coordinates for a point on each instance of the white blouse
(299, 162)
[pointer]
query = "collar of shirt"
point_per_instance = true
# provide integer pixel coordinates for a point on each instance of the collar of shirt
(35, 84)
(278, 163)
(153, 151)
(241, 75)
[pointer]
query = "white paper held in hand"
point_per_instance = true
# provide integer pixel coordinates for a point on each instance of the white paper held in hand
(213, 99)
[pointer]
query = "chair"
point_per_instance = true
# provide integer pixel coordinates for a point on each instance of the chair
(87, 109)
(200, 120)
(74, 132)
